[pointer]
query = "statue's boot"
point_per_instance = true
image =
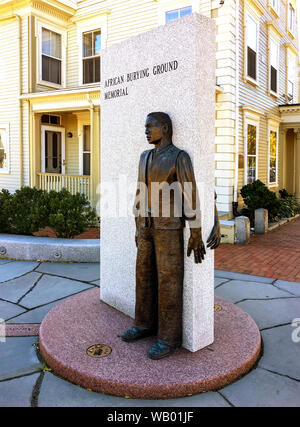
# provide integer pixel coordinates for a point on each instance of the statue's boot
(160, 350)
(136, 333)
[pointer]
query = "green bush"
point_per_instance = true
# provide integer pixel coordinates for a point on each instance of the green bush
(69, 214)
(257, 195)
(26, 213)
(5, 199)
(288, 205)
(30, 209)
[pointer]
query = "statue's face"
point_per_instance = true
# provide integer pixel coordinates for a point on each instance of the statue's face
(154, 130)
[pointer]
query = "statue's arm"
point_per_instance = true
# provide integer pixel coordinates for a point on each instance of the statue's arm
(191, 206)
(214, 239)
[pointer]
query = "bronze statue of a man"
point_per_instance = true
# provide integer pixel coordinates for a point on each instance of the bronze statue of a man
(159, 238)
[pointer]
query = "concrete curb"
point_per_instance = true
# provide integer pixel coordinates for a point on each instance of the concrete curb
(49, 249)
(273, 226)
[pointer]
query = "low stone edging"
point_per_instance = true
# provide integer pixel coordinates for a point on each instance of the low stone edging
(49, 249)
(274, 225)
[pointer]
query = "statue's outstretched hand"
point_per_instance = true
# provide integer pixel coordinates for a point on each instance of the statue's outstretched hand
(214, 238)
(136, 238)
(196, 244)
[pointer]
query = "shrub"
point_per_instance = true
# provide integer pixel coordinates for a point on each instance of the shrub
(288, 206)
(69, 214)
(26, 212)
(30, 209)
(5, 198)
(257, 195)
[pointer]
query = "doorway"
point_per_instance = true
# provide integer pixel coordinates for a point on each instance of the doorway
(53, 150)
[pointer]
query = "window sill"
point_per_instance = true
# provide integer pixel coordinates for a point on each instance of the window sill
(274, 94)
(50, 85)
(291, 34)
(4, 172)
(274, 11)
(273, 184)
(251, 81)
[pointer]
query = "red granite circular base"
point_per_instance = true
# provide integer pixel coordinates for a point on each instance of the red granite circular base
(83, 320)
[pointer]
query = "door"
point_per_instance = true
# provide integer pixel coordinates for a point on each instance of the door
(53, 154)
(53, 150)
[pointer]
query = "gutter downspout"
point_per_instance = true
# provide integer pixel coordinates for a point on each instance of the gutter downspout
(18, 17)
(237, 76)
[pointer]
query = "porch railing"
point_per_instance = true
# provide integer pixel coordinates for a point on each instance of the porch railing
(73, 183)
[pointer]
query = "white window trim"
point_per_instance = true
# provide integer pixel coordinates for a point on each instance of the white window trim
(63, 146)
(100, 24)
(250, 119)
(256, 18)
(291, 31)
(274, 10)
(62, 32)
(169, 5)
(291, 57)
(7, 148)
(273, 127)
(81, 123)
(277, 42)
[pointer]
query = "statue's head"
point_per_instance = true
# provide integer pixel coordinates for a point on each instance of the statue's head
(158, 126)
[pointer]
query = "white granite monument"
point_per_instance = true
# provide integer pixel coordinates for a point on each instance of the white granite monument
(171, 69)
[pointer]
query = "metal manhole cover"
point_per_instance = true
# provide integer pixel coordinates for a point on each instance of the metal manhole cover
(217, 307)
(98, 350)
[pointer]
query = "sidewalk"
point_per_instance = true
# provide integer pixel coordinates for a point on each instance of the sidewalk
(275, 254)
(28, 290)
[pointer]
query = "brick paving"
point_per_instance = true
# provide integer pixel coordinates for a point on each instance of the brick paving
(275, 254)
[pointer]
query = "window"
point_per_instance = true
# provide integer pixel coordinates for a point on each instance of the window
(275, 5)
(252, 47)
(291, 76)
(51, 56)
(91, 46)
(272, 157)
(86, 154)
(4, 148)
(251, 150)
(291, 18)
(178, 13)
(274, 65)
(53, 120)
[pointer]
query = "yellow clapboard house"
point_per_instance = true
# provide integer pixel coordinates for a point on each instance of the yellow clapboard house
(50, 89)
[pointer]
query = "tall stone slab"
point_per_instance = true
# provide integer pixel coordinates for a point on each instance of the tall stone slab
(171, 69)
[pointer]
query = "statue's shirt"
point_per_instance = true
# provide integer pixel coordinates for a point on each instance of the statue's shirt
(171, 191)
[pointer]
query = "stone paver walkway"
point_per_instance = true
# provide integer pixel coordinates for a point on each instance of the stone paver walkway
(275, 254)
(29, 291)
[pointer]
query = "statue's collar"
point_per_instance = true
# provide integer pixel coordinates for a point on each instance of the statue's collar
(162, 148)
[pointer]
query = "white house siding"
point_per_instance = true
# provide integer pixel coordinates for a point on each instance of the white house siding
(9, 98)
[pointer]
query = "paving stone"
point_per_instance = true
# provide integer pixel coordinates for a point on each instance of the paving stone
(51, 288)
(293, 287)
(8, 310)
(35, 315)
(5, 261)
(244, 277)
(56, 392)
(219, 280)
(261, 388)
(269, 313)
(18, 357)
(238, 290)
(17, 392)
(88, 272)
(96, 282)
(14, 289)
(281, 354)
(15, 269)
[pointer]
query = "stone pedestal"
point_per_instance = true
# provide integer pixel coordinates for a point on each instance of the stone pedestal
(242, 230)
(261, 221)
(169, 69)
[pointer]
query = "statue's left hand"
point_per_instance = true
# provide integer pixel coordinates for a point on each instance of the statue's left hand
(214, 239)
(196, 244)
